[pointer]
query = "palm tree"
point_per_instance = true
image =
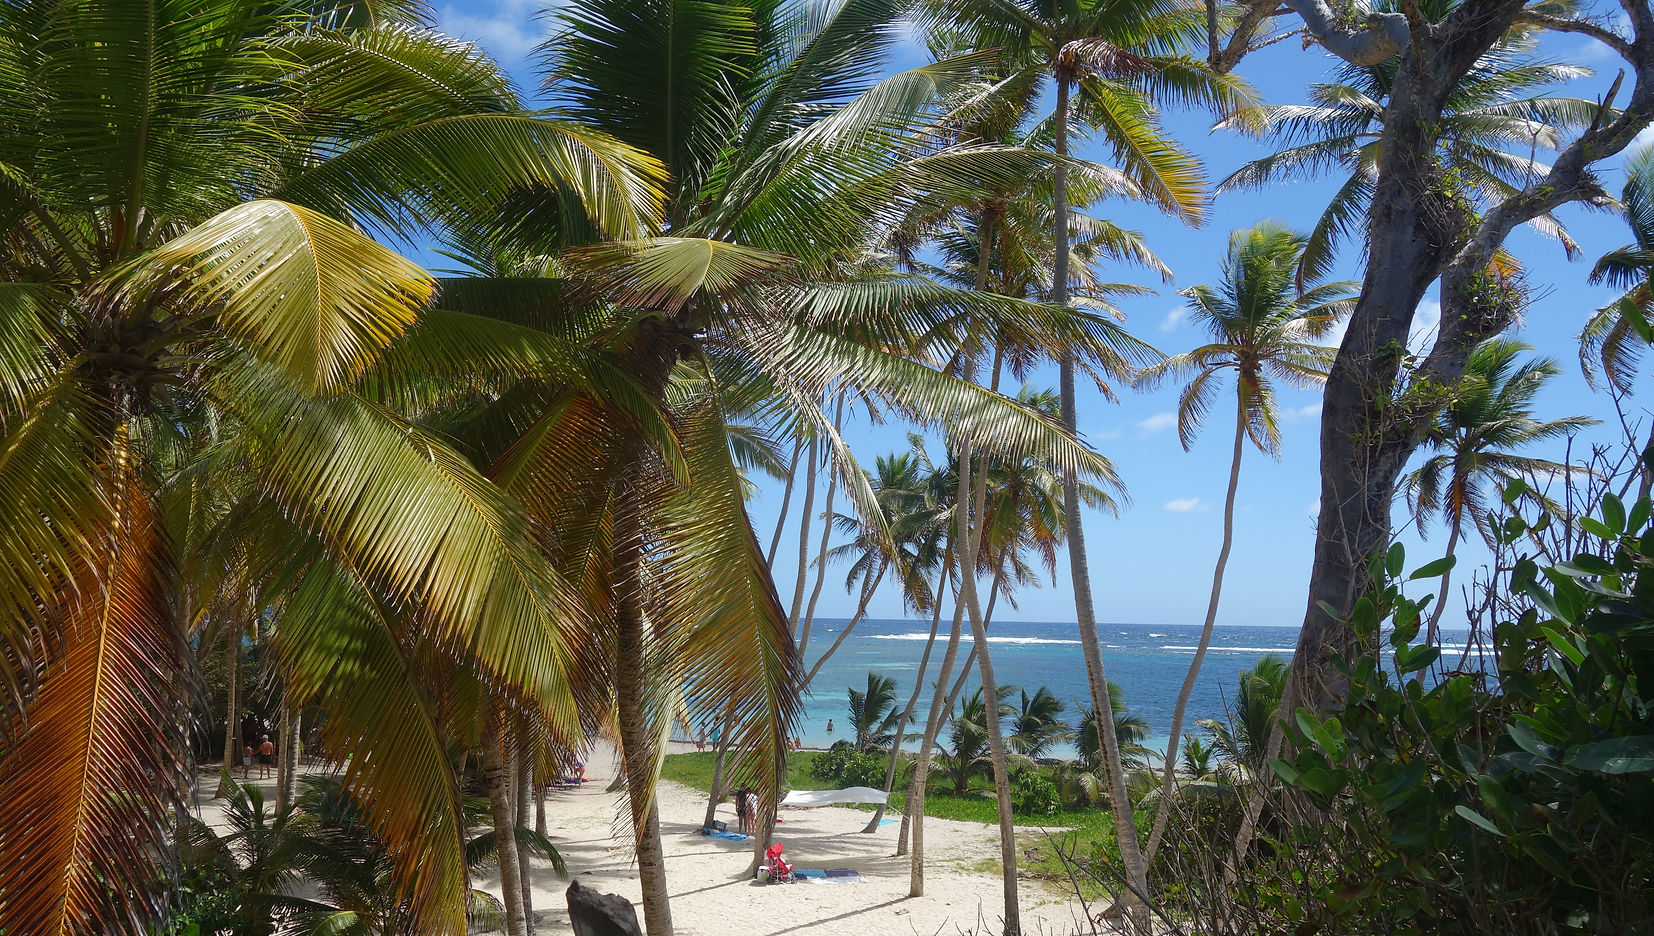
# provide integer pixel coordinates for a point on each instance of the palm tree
(1245, 736)
(1037, 725)
(1196, 757)
(1614, 338)
(1088, 779)
(1488, 415)
(185, 269)
(970, 753)
(873, 713)
(1123, 59)
(761, 289)
(1498, 114)
(1265, 322)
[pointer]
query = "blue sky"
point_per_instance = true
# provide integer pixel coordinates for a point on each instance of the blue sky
(1152, 564)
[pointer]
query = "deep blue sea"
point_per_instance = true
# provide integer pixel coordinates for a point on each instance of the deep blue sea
(1147, 662)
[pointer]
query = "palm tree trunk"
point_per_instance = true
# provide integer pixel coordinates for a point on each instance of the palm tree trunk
(717, 794)
(286, 756)
(498, 780)
(637, 756)
(970, 658)
(524, 763)
(826, 536)
(861, 611)
(966, 537)
(795, 613)
(901, 726)
(921, 771)
(232, 705)
(1431, 633)
(786, 499)
(1074, 531)
(540, 809)
(1163, 812)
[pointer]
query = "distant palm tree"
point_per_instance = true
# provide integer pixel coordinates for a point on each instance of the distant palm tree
(1197, 756)
(873, 713)
(1489, 414)
(1130, 728)
(1036, 725)
(968, 755)
(1243, 737)
(1266, 319)
(1615, 337)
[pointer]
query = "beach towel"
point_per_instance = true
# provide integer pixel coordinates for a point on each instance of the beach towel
(726, 836)
(855, 794)
(829, 876)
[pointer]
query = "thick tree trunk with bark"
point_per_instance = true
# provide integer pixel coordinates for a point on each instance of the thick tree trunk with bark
(1125, 830)
(1169, 780)
(287, 757)
(522, 787)
(498, 780)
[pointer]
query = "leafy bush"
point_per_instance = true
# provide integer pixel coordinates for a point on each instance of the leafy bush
(844, 766)
(1033, 794)
(1522, 799)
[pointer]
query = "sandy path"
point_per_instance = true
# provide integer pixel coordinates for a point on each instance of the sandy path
(711, 898)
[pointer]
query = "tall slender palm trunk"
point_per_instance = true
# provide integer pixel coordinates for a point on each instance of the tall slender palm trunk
(1433, 632)
(717, 795)
(498, 779)
(786, 500)
(1125, 829)
(966, 538)
(921, 769)
(901, 724)
(1169, 779)
(636, 749)
(803, 629)
(867, 591)
(232, 722)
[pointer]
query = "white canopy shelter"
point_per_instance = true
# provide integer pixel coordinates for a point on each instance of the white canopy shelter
(855, 794)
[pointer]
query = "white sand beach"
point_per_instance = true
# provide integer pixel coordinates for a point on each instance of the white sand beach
(712, 897)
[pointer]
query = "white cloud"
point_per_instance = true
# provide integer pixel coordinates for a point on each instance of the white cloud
(1104, 435)
(1159, 422)
(1425, 322)
(1185, 505)
(1314, 509)
(1305, 412)
(1172, 319)
(508, 29)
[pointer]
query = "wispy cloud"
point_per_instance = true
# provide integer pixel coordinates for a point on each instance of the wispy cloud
(1306, 412)
(1172, 319)
(1186, 505)
(1426, 321)
(508, 29)
(1314, 509)
(1159, 422)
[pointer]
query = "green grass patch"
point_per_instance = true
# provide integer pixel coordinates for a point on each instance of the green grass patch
(1086, 832)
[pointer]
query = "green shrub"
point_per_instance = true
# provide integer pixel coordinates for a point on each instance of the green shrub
(843, 766)
(1033, 794)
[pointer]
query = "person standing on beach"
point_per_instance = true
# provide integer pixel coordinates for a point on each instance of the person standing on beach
(266, 757)
(741, 815)
(700, 739)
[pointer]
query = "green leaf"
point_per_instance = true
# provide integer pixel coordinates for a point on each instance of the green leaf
(1323, 782)
(1288, 774)
(1514, 490)
(1630, 754)
(1434, 569)
(1394, 560)
(1563, 646)
(1478, 820)
(1528, 740)
(1413, 659)
(1613, 513)
(1585, 564)
(1597, 528)
(1639, 515)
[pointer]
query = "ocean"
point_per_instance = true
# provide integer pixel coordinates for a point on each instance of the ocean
(1147, 662)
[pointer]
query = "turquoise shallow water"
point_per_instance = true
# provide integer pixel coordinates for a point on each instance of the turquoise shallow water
(1148, 662)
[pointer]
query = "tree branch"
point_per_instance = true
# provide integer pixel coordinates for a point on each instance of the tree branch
(1582, 27)
(1384, 35)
